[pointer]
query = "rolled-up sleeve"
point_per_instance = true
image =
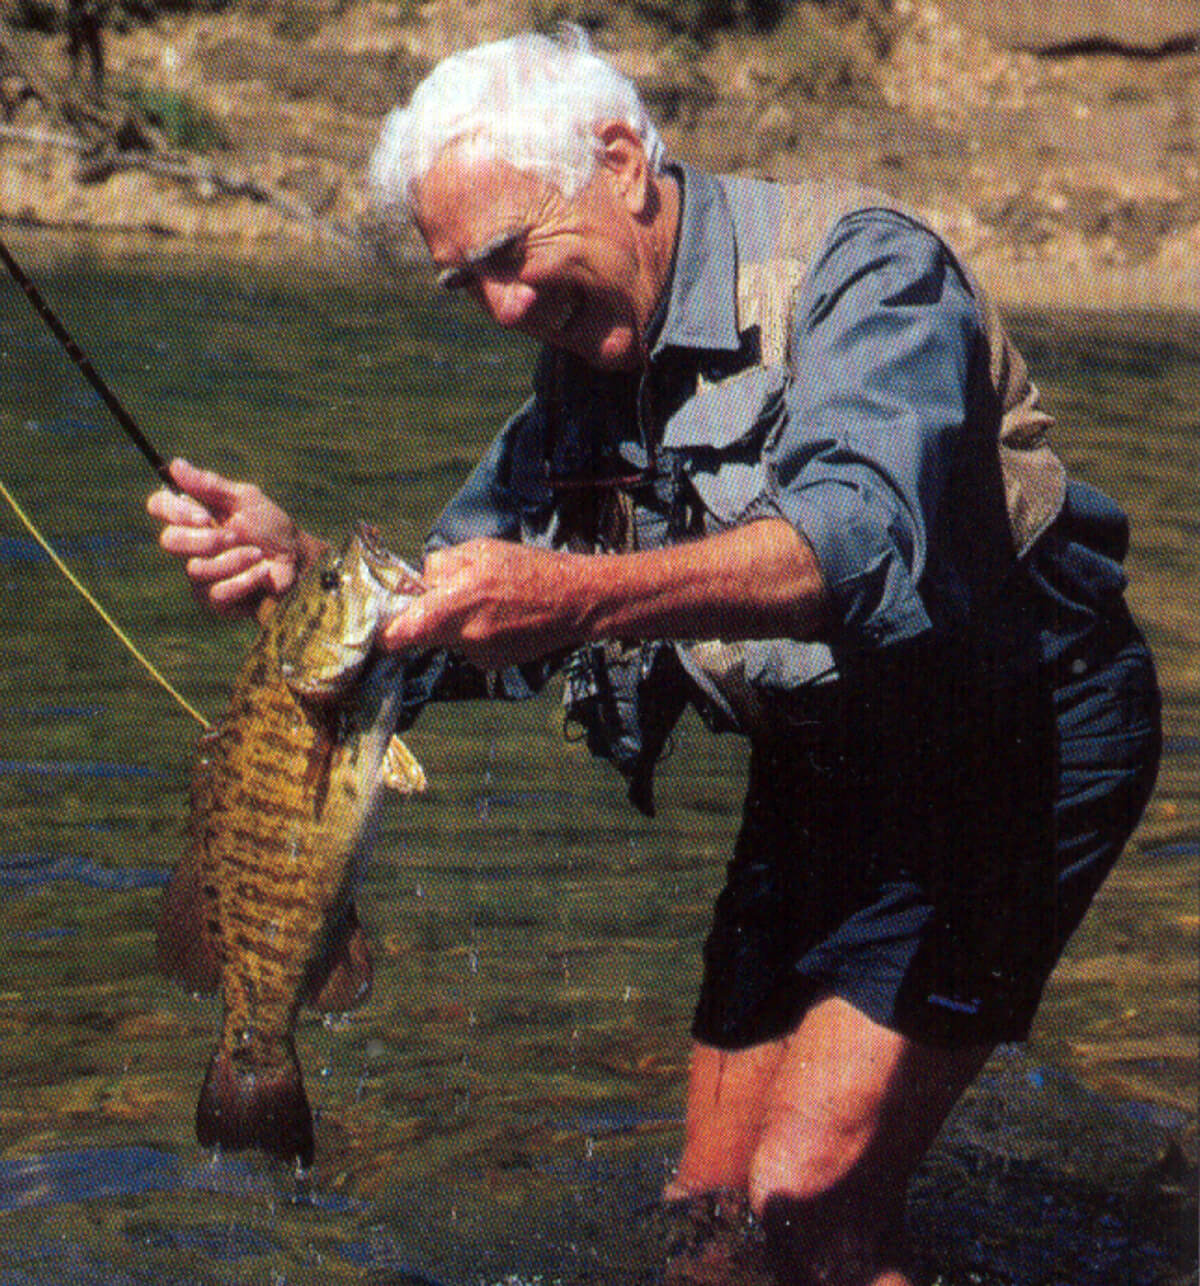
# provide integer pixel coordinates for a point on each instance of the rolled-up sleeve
(882, 340)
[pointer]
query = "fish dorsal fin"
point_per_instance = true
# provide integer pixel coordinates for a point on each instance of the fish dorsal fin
(400, 769)
(187, 947)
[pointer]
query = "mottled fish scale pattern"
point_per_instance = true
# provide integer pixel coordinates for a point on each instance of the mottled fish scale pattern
(284, 792)
(266, 817)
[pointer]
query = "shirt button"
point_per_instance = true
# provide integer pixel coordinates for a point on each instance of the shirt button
(1078, 665)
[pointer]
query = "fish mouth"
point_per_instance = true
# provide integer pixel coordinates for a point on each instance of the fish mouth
(323, 688)
(392, 572)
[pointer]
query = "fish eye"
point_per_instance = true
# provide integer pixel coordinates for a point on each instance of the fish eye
(331, 577)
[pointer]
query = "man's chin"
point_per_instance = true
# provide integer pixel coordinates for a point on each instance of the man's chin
(617, 350)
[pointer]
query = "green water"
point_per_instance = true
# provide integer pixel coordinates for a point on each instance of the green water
(510, 1095)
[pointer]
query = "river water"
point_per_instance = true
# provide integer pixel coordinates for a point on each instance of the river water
(508, 1102)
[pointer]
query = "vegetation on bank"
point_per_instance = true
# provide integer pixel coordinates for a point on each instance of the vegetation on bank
(813, 33)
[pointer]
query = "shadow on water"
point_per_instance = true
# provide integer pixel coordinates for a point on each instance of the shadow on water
(506, 1105)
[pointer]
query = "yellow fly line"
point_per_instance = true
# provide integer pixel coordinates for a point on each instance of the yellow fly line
(104, 616)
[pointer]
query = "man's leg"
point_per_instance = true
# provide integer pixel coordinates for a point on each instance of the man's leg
(850, 1112)
(726, 1102)
(824, 1129)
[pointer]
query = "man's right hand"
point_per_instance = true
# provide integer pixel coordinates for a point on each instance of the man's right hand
(240, 546)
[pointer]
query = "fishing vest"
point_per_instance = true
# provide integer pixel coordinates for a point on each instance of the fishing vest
(734, 675)
(710, 438)
(767, 292)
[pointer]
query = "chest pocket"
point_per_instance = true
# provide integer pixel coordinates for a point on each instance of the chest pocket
(721, 434)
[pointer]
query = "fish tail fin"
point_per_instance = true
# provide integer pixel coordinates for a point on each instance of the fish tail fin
(257, 1107)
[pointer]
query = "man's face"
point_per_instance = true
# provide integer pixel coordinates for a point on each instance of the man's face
(571, 273)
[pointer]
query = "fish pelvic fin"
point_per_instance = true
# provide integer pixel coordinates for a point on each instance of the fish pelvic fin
(400, 770)
(341, 977)
(256, 1107)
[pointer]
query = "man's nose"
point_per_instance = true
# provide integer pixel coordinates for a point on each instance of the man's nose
(505, 302)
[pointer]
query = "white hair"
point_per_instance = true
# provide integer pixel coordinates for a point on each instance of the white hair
(530, 101)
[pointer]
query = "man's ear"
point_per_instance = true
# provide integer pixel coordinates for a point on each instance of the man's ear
(623, 157)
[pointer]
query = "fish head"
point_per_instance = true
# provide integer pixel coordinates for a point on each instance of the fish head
(325, 629)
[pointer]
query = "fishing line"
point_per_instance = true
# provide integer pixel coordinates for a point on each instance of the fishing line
(129, 424)
(104, 616)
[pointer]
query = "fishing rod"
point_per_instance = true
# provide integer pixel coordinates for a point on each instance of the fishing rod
(93, 377)
(129, 424)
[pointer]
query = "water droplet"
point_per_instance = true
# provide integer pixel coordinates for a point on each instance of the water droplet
(589, 1148)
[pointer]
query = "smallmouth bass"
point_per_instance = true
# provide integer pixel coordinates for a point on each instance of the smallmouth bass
(284, 793)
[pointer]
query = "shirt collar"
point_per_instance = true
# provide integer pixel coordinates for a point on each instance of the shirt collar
(701, 307)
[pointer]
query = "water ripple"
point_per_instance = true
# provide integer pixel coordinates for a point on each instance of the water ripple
(33, 870)
(89, 1174)
(73, 768)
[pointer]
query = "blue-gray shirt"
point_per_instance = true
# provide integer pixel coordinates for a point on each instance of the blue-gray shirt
(875, 438)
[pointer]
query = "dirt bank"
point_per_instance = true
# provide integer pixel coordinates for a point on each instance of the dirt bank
(1062, 157)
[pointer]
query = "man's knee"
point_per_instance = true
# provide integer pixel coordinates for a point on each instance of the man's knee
(830, 1213)
(808, 1163)
(809, 1150)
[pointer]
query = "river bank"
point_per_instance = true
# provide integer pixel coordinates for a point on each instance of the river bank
(1067, 178)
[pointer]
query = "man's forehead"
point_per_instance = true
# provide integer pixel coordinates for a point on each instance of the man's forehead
(467, 191)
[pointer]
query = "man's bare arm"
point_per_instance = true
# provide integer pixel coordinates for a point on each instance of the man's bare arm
(499, 604)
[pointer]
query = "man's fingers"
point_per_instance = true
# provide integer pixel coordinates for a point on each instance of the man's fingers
(241, 592)
(231, 563)
(407, 628)
(172, 507)
(217, 493)
(202, 542)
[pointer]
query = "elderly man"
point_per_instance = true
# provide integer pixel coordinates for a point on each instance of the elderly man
(780, 461)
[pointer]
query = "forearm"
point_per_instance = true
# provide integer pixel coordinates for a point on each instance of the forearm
(497, 603)
(755, 581)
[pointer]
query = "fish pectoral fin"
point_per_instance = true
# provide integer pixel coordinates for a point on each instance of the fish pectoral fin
(340, 978)
(400, 769)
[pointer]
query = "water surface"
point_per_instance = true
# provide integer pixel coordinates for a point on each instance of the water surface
(508, 1102)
